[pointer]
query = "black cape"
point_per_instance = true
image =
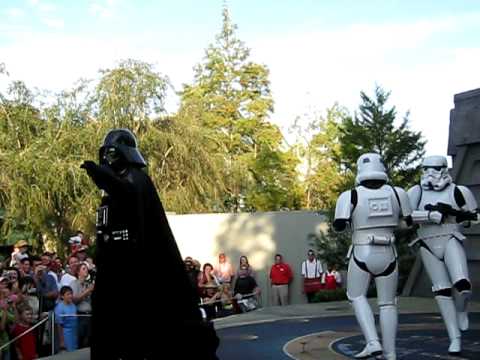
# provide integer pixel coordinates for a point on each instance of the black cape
(143, 302)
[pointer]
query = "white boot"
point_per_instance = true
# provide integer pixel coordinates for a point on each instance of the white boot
(388, 324)
(391, 356)
(461, 304)
(462, 319)
(373, 348)
(365, 319)
(449, 314)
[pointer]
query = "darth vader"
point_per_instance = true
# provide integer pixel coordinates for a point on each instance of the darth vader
(143, 301)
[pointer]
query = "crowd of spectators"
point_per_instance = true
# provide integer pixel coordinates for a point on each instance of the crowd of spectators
(32, 289)
(222, 290)
(226, 289)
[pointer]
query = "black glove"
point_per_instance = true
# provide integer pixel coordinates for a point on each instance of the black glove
(466, 216)
(442, 208)
(89, 165)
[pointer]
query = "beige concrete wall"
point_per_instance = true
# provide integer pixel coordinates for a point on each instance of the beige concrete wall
(259, 236)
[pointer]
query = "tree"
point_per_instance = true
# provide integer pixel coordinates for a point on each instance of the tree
(317, 144)
(185, 171)
(43, 192)
(130, 94)
(373, 130)
(231, 96)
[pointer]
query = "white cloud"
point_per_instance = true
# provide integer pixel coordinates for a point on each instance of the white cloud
(15, 13)
(312, 70)
(103, 10)
(53, 23)
(47, 7)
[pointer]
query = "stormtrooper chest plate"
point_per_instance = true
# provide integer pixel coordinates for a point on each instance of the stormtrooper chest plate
(375, 208)
(434, 197)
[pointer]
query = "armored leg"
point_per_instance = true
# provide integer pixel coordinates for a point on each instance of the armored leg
(357, 286)
(442, 285)
(387, 302)
(456, 262)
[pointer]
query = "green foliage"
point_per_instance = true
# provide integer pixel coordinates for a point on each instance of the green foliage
(338, 294)
(130, 94)
(317, 144)
(374, 130)
(332, 247)
(46, 196)
(231, 97)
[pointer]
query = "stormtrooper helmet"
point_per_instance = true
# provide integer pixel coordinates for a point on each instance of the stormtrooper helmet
(370, 167)
(435, 174)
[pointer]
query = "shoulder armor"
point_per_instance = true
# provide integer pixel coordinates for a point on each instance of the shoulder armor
(404, 201)
(469, 202)
(415, 196)
(343, 210)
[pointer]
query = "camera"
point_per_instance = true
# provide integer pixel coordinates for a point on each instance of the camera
(75, 240)
(91, 276)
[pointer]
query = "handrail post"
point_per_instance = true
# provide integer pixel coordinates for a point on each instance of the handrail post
(53, 332)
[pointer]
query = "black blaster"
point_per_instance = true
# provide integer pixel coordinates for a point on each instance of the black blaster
(448, 210)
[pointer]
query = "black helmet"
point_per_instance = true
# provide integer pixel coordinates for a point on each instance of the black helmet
(123, 141)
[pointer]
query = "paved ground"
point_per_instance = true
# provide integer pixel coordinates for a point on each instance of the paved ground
(263, 334)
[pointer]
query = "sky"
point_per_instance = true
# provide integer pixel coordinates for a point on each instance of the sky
(318, 51)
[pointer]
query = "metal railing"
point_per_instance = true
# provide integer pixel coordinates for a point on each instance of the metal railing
(24, 333)
(50, 317)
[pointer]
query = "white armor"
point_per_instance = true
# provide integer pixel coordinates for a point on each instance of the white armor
(440, 242)
(373, 214)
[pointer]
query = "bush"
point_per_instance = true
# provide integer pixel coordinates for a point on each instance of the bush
(330, 295)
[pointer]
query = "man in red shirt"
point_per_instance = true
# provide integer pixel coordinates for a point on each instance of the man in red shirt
(280, 276)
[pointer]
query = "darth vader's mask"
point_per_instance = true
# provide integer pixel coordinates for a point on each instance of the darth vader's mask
(120, 150)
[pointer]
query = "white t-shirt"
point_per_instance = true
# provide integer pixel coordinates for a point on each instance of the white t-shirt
(312, 269)
(55, 276)
(67, 280)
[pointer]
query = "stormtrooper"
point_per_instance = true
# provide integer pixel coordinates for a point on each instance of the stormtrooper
(134, 241)
(373, 209)
(439, 206)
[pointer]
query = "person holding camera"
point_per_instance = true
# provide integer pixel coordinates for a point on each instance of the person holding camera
(46, 287)
(82, 289)
(69, 277)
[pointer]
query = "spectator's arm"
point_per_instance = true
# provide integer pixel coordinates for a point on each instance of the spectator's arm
(84, 294)
(3, 320)
(319, 269)
(200, 283)
(51, 287)
(338, 277)
(18, 351)
(304, 265)
(61, 337)
(59, 323)
(234, 282)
